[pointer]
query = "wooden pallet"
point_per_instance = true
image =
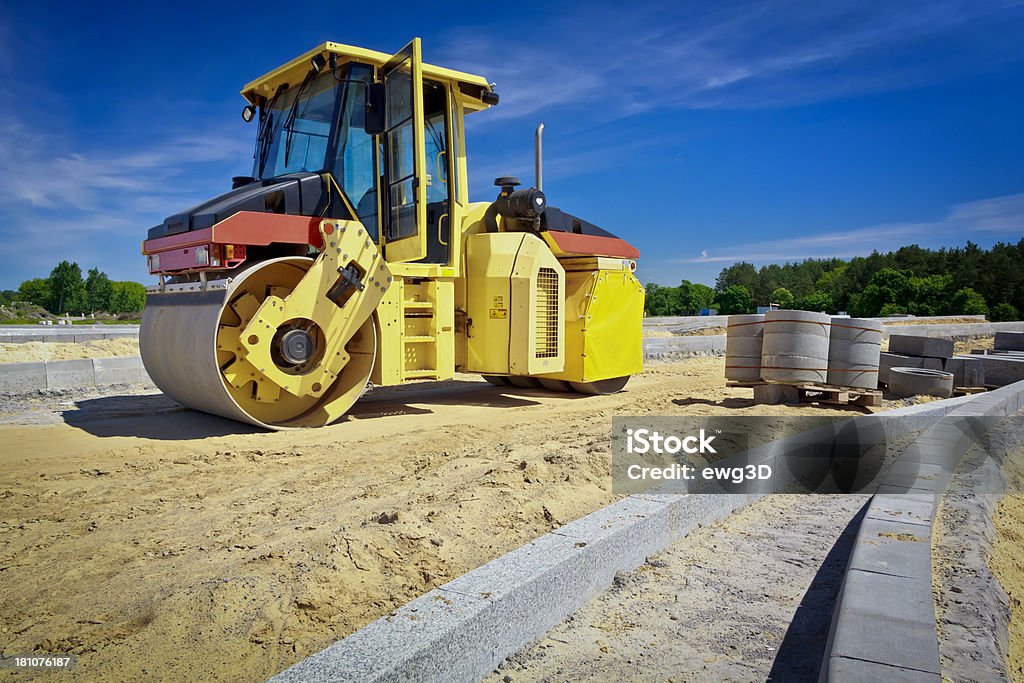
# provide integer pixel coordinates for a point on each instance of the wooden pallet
(737, 384)
(968, 391)
(818, 393)
(823, 393)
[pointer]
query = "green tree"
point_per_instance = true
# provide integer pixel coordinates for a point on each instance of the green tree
(127, 297)
(892, 309)
(701, 296)
(930, 295)
(783, 297)
(35, 291)
(815, 301)
(742, 273)
(67, 291)
(1004, 312)
(735, 299)
(887, 286)
(99, 291)
(694, 296)
(968, 302)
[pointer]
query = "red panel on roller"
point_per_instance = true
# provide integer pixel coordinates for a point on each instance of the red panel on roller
(593, 245)
(251, 228)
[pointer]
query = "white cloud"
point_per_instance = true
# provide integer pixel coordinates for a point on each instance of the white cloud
(747, 56)
(994, 215)
(94, 206)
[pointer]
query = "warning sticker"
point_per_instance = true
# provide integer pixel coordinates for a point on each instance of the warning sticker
(499, 302)
(499, 313)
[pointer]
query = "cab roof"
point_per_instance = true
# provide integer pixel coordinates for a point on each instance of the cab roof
(295, 70)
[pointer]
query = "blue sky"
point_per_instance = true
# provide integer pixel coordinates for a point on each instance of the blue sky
(703, 133)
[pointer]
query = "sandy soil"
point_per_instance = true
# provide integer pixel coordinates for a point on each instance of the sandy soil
(694, 613)
(1007, 558)
(978, 561)
(136, 534)
(101, 348)
(967, 345)
(932, 321)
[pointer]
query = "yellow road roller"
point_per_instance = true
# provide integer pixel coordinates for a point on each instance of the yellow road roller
(352, 255)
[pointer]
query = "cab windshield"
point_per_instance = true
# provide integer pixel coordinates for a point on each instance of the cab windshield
(294, 136)
(303, 137)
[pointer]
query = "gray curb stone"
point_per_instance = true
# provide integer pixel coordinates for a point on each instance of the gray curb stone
(70, 374)
(883, 624)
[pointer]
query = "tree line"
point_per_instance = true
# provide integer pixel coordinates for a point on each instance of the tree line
(65, 291)
(911, 280)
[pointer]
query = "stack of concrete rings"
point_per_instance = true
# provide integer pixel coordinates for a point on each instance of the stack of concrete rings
(744, 337)
(854, 348)
(795, 348)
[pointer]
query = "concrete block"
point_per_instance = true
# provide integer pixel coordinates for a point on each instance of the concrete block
(70, 374)
(888, 620)
(911, 510)
(841, 669)
(893, 490)
(776, 393)
(967, 371)
(1001, 370)
(424, 640)
(126, 370)
(912, 345)
(927, 454)
(19, 378)
(893, 548)
(1009, 341)
(887, 361)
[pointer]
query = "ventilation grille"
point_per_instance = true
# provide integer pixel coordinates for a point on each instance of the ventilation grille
(547, 313)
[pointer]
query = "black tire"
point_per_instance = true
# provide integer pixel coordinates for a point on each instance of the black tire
(496, 380)
(555, 385)
(601, 387)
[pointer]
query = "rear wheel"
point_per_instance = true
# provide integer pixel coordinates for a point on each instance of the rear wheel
(602, 386)
(555, 385)
(524, 382)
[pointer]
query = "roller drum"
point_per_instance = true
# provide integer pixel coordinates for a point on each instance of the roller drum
(854, 350)
(743, 343)
(795, 349)
(189, 339)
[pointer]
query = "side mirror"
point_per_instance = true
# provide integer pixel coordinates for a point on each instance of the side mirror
(375, 102)
(248, 113)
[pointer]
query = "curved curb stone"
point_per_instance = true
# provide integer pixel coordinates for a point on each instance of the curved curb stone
(905, 382)
(883, 623)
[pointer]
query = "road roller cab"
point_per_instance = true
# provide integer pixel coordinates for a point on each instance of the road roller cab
(352, 254)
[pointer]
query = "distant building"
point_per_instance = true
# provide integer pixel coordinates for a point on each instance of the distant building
(709, 311)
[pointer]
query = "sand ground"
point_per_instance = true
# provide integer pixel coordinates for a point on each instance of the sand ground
(158, 543)
(1007, 558)
(695, 612)
(101, 348)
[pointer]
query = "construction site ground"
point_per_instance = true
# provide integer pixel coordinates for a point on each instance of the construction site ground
(695, 612)
(136, 534)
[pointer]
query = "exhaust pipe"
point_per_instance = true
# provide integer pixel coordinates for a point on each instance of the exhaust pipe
(538, 171)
